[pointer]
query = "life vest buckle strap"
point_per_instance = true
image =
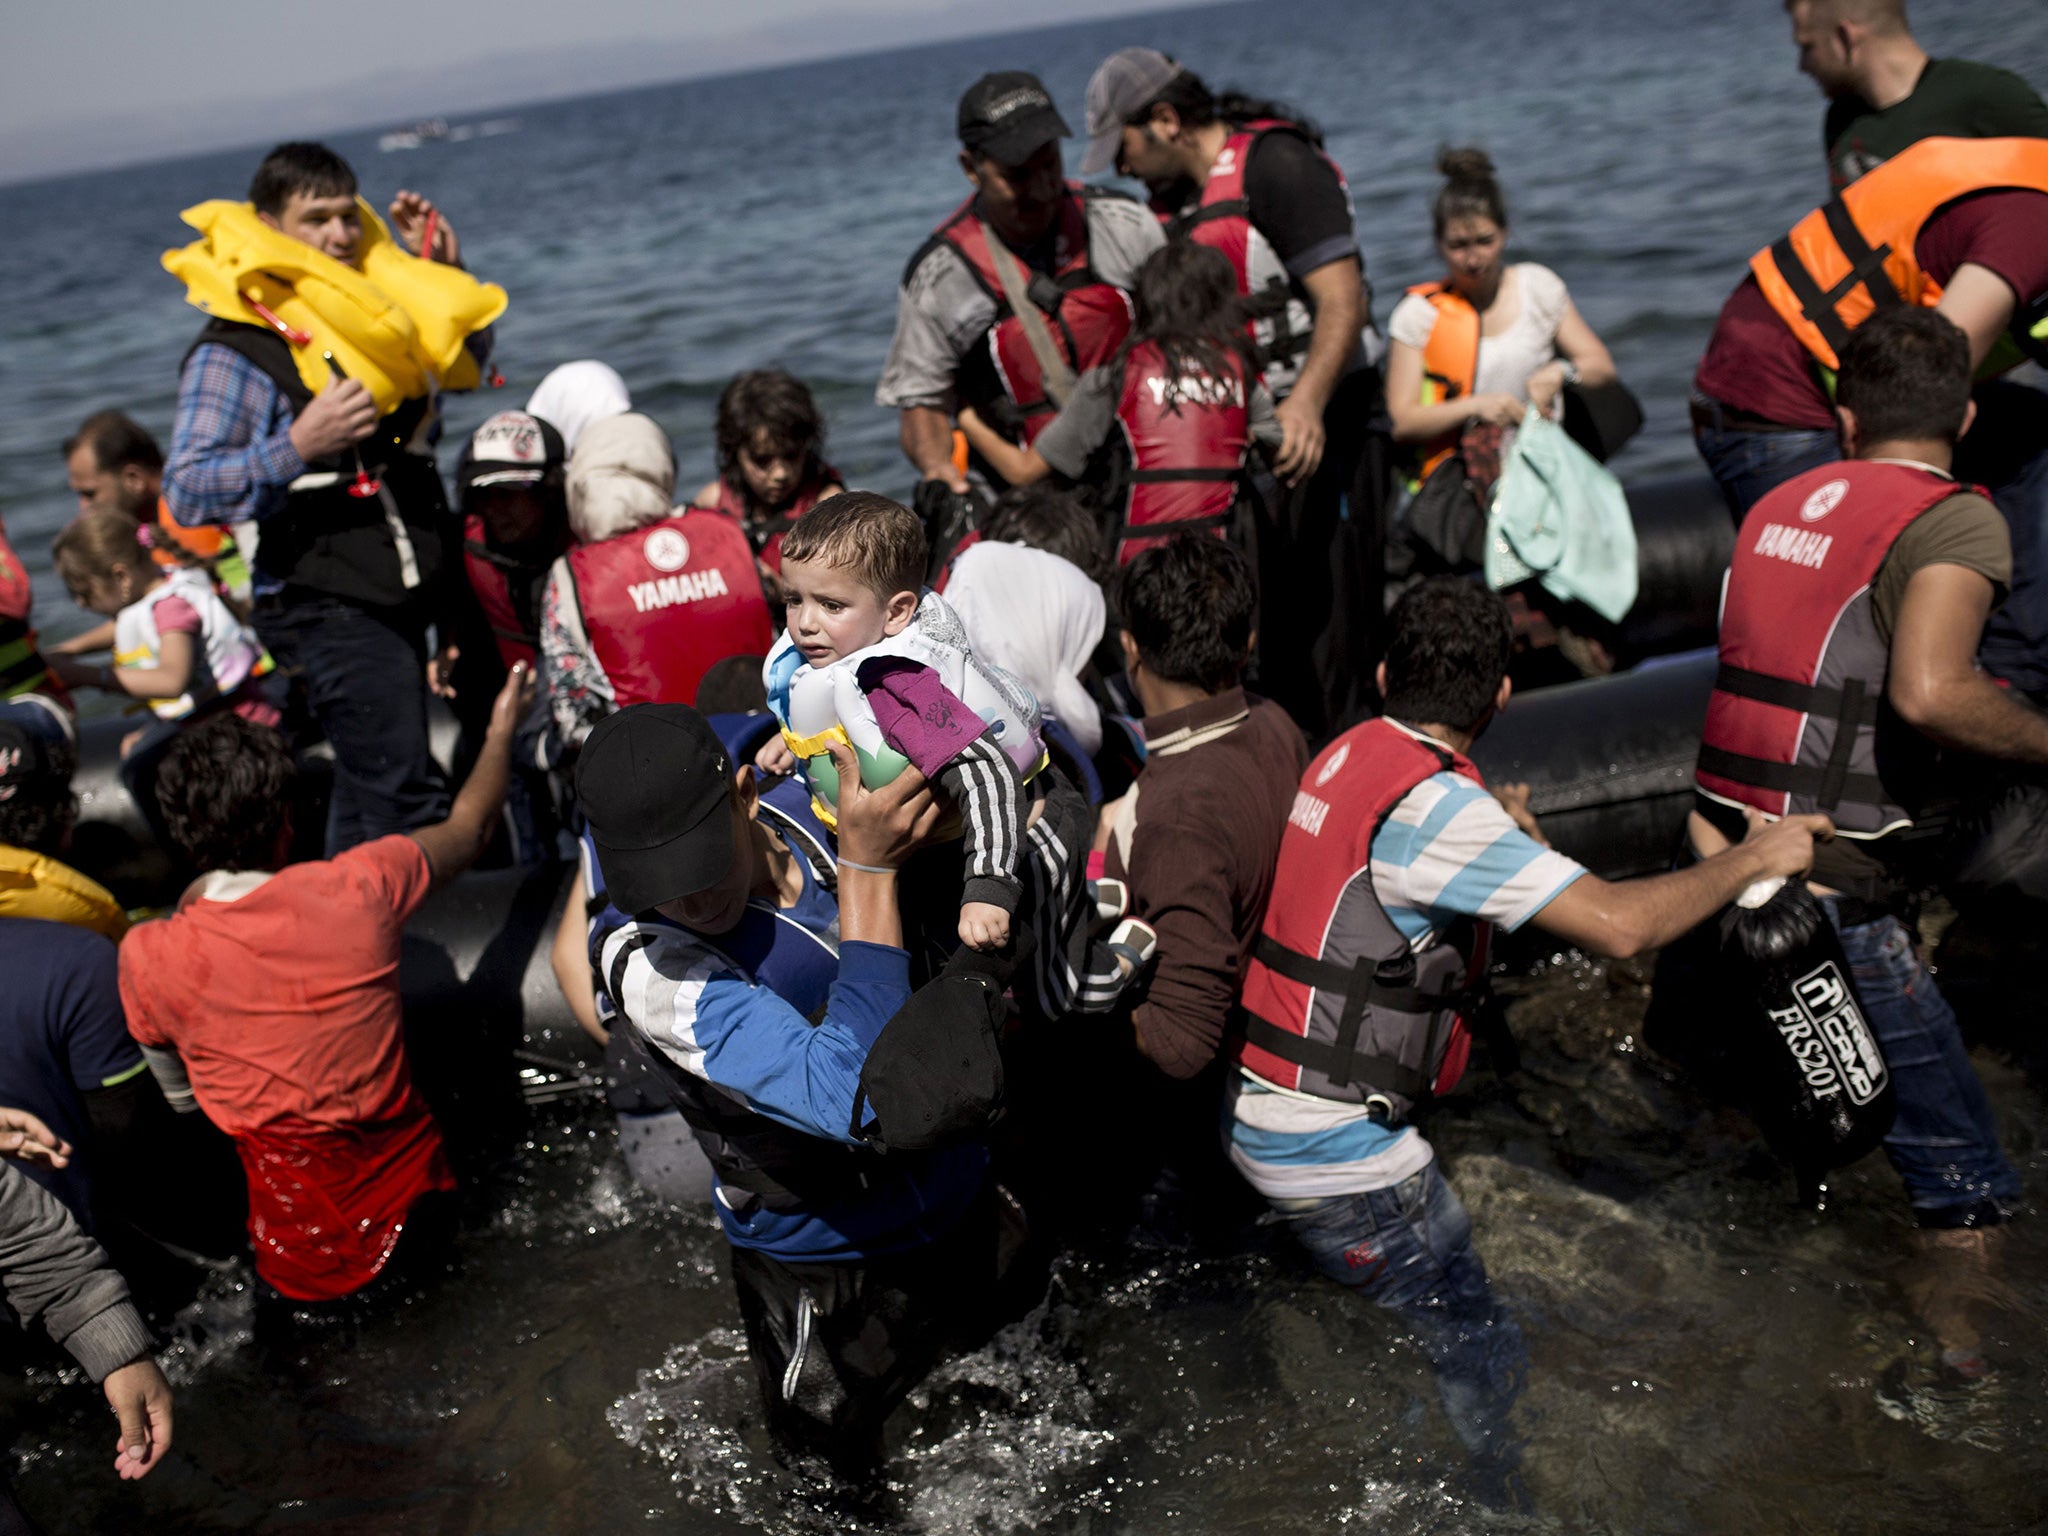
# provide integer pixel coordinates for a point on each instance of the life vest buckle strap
(1807, 698)
(1362, 979)
(1215, 472)
(1788, 778)
(1381, 1073)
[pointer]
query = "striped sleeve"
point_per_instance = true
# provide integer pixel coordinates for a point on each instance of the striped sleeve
(984, 784)
(707, 1016)
(1448, 849)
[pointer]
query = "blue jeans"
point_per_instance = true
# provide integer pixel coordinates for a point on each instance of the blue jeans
(1944, 1142)
(365, 679)
(1748, 465)
(1408, 1248)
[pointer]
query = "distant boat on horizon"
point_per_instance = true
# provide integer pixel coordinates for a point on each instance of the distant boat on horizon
(431, 129)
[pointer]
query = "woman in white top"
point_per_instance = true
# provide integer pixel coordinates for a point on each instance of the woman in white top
(1443, 373)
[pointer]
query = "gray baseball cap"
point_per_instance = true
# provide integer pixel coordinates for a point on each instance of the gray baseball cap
(1123, 85)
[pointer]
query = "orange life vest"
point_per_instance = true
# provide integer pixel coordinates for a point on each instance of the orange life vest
(1450, 361)
(1854, 256)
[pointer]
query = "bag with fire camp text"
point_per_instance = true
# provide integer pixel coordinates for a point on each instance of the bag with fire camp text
(1816, 1076)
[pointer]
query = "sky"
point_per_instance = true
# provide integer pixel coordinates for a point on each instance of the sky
(96, 83)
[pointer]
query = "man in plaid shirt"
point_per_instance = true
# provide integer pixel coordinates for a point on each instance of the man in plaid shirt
(347, 585)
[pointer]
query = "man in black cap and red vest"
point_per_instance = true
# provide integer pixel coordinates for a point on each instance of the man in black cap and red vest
(1250, 179)
(1022, 288)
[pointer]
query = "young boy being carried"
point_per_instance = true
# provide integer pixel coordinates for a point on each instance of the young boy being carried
(871, 658)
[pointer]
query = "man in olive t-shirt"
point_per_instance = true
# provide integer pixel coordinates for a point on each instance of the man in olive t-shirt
(1886, 93)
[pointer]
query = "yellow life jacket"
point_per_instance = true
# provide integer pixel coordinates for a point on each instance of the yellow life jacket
(396, 323)
(36, 885)
(1450, 361)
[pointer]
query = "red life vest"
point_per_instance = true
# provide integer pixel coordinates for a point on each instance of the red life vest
(490, 577)
(1281, 322)
(1088, 317)
(1797, 721)
(663, 604)
(1187, 438)
(766, 534)
(1338, 1003)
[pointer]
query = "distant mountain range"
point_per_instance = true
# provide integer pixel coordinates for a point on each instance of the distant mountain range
(391, 97)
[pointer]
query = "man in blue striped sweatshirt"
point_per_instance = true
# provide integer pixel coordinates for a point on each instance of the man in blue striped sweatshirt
(1395, 862)
(761, 968)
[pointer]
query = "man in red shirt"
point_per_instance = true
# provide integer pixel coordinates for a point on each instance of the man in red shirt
(1761, 405)
(270, 1000)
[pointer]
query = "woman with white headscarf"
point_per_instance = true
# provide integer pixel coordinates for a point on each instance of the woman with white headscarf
(577, 394)
(652, 596)
(1038, 617)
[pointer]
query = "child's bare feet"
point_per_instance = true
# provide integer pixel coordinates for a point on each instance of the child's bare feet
(984, 926)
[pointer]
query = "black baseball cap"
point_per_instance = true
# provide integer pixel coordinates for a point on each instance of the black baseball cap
(1008, 116)
(655, 782)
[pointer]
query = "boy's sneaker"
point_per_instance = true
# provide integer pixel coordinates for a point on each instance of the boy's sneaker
(1134, 944)
(1112, 899)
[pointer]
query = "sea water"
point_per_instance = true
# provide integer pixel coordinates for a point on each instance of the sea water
(1705, 1357)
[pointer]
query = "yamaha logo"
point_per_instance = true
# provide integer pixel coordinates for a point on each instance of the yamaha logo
(1334, 766)
(666, 550)
(1823, 501)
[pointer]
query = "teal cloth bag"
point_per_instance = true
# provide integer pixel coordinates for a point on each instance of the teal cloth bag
(1559, 516)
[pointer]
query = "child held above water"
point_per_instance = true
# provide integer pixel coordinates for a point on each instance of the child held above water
(871, 657)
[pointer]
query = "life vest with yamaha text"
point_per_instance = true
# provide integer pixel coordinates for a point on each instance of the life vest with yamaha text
(509, 590)
(1088, 317)
(1187, 438)
(1798, 719)
(766, 534)
(1450, 362)
(1221, 218)
(663, 604)
(1338, 1004)
(1854, 256)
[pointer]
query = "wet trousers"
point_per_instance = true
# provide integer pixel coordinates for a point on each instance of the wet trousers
(1944, 1142)
(838, 1346)
(1408, 1248)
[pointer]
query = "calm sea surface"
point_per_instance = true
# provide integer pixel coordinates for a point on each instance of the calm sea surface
(1706, 1360)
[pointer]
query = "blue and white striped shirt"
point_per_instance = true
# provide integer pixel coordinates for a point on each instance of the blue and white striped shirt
(1446, 851)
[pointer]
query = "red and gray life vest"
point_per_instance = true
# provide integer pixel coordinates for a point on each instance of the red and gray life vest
(663, 604)
(766, 534)
(509, 590)
(1187, 438)
(1338, 1004)
(1797, 721)
(1221, 219)
(1088, 317)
